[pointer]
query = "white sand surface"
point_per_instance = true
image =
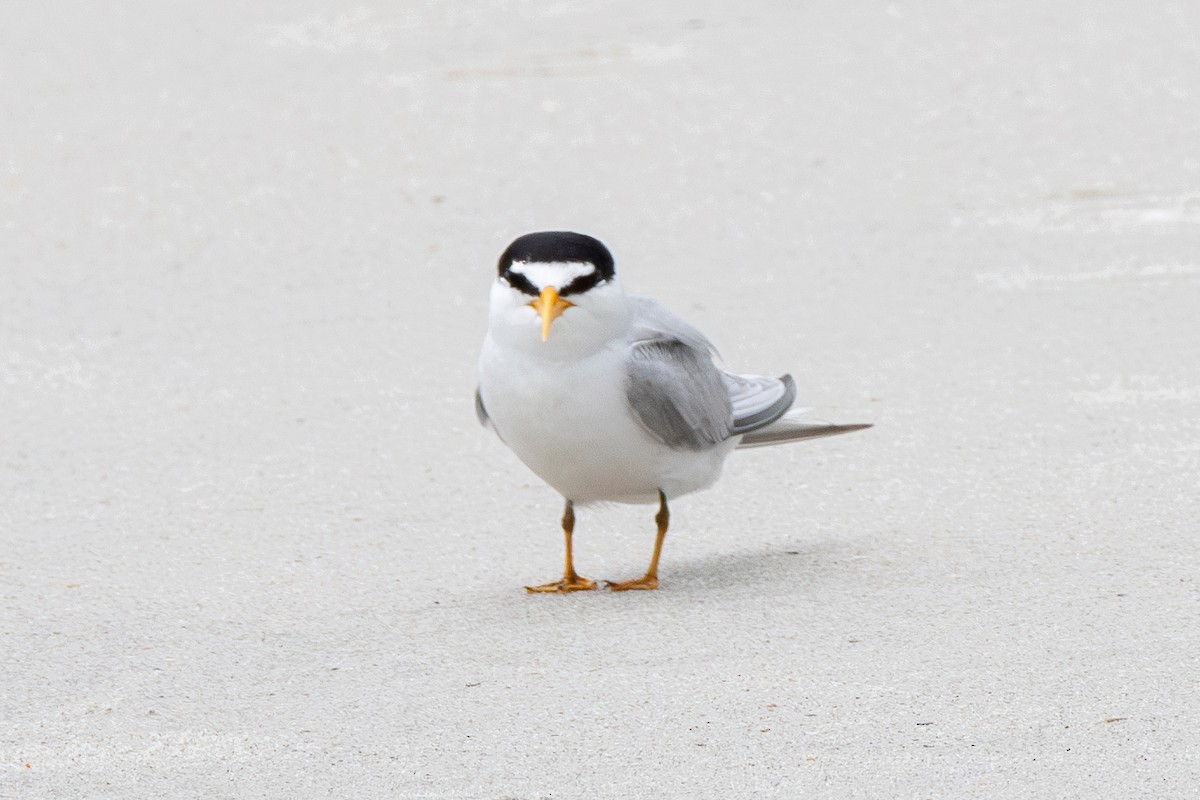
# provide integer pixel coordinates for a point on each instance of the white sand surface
(253, 543)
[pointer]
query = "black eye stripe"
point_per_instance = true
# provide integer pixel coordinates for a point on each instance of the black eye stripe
(519, 282)
(578, 285)
(581, 284)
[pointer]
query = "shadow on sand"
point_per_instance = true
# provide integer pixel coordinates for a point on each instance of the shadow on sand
(804, 566)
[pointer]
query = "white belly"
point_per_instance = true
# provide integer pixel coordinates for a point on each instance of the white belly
(570, 423)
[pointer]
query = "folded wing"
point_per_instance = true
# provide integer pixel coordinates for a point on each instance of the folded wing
(682, 399)
(677, 394)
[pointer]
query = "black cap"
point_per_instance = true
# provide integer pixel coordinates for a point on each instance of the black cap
(559, 246)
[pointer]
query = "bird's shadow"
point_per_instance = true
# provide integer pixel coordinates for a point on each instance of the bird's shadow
(802, 566)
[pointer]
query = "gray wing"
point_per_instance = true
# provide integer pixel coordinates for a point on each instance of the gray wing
(677, 394)
(701, 391)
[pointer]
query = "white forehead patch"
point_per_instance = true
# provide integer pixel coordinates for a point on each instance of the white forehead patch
(552, 273)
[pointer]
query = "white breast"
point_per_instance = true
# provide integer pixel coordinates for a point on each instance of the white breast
(569, 421)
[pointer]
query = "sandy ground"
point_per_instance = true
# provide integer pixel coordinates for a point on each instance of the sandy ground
(253, 544)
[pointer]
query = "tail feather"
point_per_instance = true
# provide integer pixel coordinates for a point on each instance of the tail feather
(791, 428)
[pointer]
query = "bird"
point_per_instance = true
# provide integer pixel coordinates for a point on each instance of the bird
(610, 397)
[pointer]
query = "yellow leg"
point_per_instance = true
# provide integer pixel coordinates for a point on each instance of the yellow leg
(570, 582)
(650, 579)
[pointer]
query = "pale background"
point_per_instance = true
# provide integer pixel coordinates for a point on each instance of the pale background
(253, 544)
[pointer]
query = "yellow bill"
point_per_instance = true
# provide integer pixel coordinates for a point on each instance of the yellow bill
(549, 307)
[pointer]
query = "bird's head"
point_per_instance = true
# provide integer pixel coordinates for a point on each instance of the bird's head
(547, 275)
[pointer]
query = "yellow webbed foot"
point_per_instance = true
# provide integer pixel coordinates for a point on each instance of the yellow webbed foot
(644, 583)
(572, 584)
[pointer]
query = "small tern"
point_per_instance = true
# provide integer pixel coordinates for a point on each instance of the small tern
(609, 397)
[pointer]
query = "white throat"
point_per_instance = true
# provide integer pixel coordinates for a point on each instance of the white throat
(598, 318)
